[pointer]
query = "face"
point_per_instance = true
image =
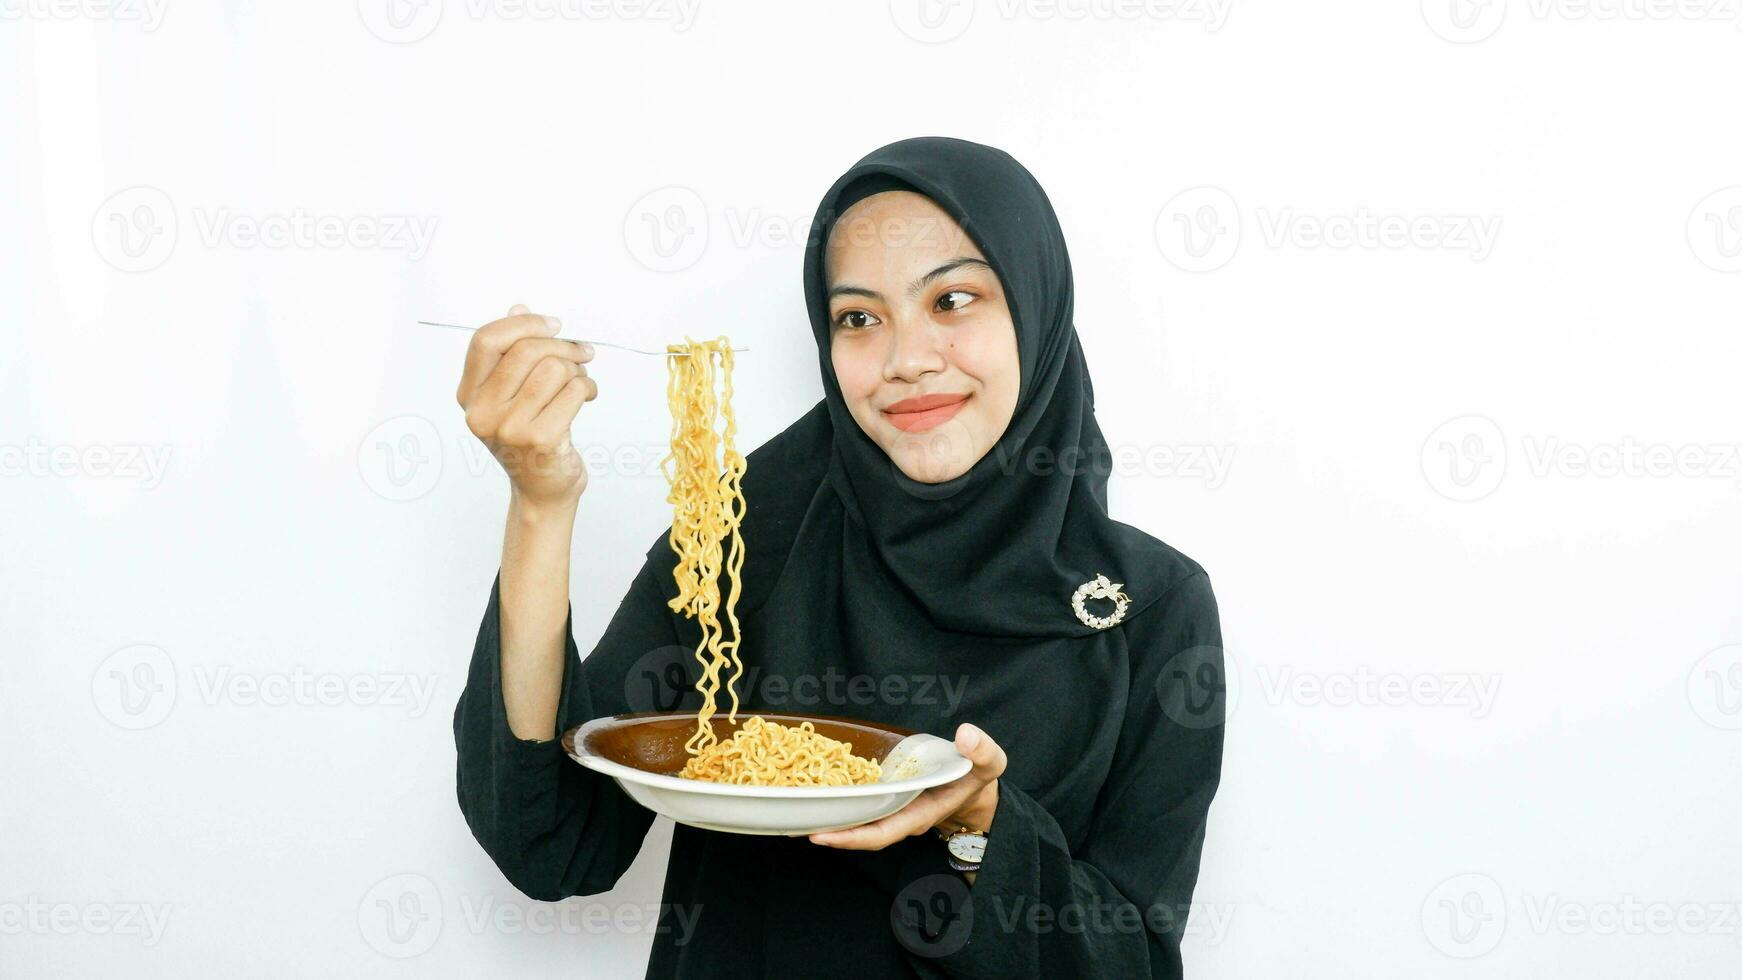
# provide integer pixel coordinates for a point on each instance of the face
(920, 334)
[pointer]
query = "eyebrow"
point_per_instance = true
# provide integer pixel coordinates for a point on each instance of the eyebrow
(914, 286)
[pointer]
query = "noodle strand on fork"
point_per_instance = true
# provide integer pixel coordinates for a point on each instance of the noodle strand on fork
(705, 472)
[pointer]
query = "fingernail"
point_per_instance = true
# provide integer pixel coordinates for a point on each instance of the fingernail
(553, 323)
(970, 738)
(587, 349)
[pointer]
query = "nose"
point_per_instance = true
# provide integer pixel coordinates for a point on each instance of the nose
(915, 350)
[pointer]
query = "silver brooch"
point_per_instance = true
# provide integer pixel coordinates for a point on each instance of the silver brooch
(1100, 588)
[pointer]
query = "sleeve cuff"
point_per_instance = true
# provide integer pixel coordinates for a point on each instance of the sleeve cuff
(979, 929)
(1012, 846)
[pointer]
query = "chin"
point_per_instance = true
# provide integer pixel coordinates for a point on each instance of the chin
(934, 456)
(931, 476)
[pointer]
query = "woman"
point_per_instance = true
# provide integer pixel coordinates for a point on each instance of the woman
(933, 517)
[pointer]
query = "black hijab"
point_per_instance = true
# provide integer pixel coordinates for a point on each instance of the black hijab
(1000, 549)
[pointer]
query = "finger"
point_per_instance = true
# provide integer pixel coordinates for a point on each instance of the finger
(915, 818)
(493, 340)
(559, 415)
(515, 367)
(878, 834)
(546, 378)
(872, 836)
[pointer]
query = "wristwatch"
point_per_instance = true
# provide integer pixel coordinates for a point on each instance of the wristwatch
(967, 847)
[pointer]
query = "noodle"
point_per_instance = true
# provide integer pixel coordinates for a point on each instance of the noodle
(705, 473)
(708, 507)
(767, 753)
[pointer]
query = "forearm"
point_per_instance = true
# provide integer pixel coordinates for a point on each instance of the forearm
(535, 608)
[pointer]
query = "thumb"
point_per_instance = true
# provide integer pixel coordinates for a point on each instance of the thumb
(973, 742)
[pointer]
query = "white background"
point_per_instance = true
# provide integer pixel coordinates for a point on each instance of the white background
(1451, 462)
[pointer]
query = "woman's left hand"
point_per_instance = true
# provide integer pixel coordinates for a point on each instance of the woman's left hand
(970, 801)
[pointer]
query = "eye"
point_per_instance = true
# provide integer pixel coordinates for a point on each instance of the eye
(855, 320)
(955, 299)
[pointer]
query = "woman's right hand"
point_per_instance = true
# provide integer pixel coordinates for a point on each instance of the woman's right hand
(521, 390)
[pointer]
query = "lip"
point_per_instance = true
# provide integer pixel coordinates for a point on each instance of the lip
(924, 412)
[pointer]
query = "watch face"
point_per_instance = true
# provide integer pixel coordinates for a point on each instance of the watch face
(968, 848)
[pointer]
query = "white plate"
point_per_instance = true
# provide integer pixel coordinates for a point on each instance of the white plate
(914, 762)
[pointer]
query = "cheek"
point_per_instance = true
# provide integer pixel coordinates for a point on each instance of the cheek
(853, 372)
(988, 354)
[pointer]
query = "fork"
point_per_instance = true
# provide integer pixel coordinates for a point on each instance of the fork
(595, 343)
